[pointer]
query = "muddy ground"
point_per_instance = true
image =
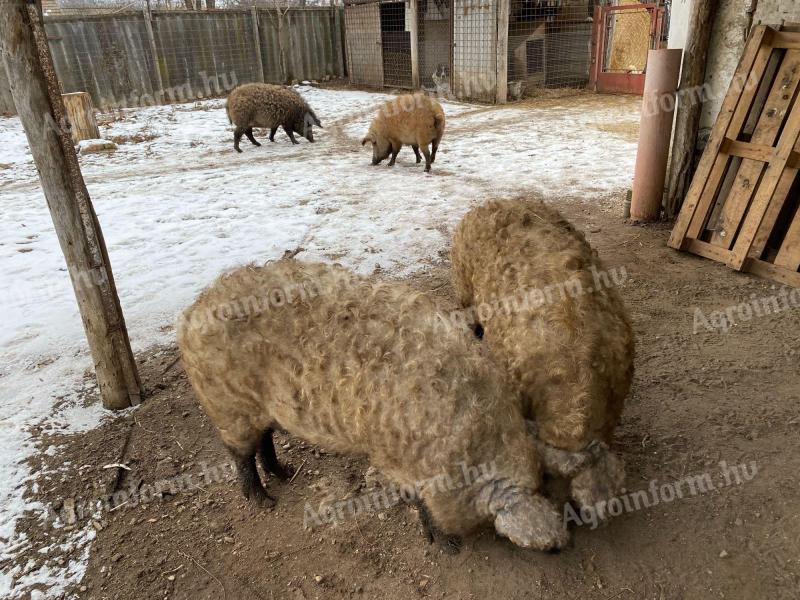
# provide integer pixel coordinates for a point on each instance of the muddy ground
(699, 399)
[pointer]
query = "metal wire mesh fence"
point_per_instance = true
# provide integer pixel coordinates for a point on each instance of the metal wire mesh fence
(549, 45)
(452, 46)
(423, 43)
(396, 44)
(435, 26)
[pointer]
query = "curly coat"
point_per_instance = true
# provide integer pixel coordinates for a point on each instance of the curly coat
(413, 119)
(366, 367)
(572, 354)
(269, 106)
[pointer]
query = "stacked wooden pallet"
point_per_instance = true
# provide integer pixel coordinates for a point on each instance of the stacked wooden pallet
(742, 205)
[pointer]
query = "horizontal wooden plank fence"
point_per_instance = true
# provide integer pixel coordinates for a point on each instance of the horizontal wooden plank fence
(139, 58)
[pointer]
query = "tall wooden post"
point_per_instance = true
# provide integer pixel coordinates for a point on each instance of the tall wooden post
(413, 26)
(690, 103)
(502, 51)
(34, 87)
(151, 38)
(257, 49)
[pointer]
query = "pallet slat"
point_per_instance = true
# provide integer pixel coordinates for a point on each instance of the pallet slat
(770, 271)
(773, 212)
(789, 254)
(765, 134)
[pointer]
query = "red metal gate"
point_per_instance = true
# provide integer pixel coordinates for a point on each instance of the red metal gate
(621, 37)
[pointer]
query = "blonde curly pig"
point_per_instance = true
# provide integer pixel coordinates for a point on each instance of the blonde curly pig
(413, 119)
(361, 366)
(548, 311)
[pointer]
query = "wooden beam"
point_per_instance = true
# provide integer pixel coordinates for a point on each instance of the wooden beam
(257, 47)
(413, 28)
(786, 39)
(706, 250)
(759, 152)
(501, 96)
(690, 103)
(151, 38)
(770, 271)
(36, 93)
(789, 253)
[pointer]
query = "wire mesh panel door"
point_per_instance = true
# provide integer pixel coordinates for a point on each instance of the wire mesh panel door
(435, 47)
(396, 44)
(364, 47)
(475, 49)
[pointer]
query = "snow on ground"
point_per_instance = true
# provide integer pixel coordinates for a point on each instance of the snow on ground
(178, 205)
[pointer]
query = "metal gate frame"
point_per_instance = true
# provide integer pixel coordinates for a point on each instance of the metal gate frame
(626, 83)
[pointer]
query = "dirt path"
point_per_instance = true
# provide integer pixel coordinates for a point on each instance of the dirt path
(699, 400)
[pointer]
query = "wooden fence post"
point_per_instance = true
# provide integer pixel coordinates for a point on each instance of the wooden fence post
(340, 40)
(151, 37)
(502, 51)
(34, 86)
(80, 113)
(257, 37)
(414, 34)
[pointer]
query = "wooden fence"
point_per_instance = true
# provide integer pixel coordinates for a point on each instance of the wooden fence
(140, 58)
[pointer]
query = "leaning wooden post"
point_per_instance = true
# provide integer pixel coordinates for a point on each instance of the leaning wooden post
(34, 87)
(690, 103)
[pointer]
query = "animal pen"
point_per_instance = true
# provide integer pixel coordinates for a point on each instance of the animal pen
(496, 50)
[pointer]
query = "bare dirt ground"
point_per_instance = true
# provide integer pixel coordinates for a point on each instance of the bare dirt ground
(698, 400)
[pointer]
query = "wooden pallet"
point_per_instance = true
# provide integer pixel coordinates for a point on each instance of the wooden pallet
(742, 205)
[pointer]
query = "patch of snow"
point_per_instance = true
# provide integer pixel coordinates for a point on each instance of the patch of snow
(177, 206)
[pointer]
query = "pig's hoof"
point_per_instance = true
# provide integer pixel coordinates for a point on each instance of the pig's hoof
(260, 498)
(284, 471)
(451, 544)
